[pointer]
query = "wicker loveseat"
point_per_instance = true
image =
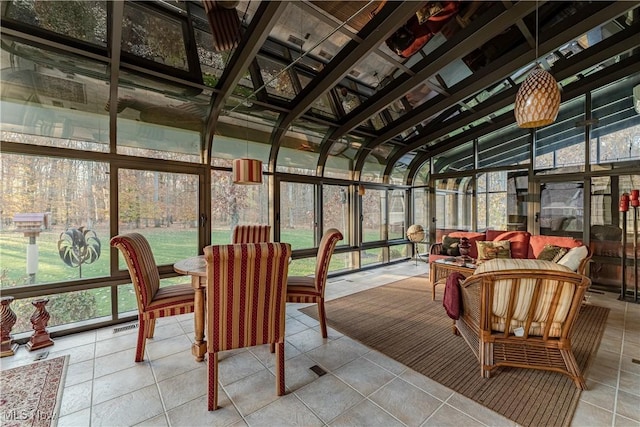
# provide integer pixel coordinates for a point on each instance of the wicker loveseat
(506, 308)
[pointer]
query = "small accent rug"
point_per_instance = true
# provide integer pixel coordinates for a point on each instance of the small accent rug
(400, 321)
(31, 394)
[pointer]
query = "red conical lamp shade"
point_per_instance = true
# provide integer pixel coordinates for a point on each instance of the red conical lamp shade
(247, 171)
(538, 100)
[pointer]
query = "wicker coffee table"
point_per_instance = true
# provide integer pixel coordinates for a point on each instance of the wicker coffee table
(441, 268)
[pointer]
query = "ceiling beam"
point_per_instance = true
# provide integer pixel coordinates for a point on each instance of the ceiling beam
(611, 47)
(564, 68)
(500, 70)
(263, 21)
(626, 67)
(480, 31)
(379, 28)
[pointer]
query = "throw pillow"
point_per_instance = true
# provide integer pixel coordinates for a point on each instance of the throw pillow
(450, 246)
(552, 253)
(573, 257)
(492, 250)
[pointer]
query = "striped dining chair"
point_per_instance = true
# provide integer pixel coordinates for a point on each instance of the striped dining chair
(306, 289)
(153, 301)
(255, 233)
(246, 290)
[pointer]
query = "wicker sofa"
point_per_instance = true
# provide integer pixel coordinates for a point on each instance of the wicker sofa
(523, 244)
(506, 307)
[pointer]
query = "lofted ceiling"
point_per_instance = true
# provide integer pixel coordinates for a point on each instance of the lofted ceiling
(367, 82)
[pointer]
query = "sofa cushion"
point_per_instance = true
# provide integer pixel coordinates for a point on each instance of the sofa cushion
(573, 258)
(492, 250)
(552, 253)
(499, 264)
(473, 238)
(502, 296)
(536, 243)
(450, 246)
(518, 242)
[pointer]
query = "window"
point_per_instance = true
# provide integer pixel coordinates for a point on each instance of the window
(55, 219)
(233, 204)
(374, 215)
(164, 208)
(335, 210)
(297, 217)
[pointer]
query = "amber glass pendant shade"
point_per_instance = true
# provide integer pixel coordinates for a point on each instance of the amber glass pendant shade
(247, 171)
(538, 100)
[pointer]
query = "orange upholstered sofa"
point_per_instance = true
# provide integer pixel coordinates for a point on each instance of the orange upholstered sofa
(523, 245)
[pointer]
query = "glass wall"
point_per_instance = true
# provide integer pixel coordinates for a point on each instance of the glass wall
(374, 215)
(335, 210)
(55, 219)
(297, 215)
(233, 204)
(163, 207)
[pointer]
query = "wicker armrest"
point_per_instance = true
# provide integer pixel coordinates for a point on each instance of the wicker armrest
(435, 249)
(470, 292)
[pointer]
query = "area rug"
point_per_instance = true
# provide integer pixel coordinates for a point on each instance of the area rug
(401, 321)
(31, 394)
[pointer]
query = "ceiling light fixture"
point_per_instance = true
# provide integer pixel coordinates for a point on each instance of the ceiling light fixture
(247, 171)
(538, 99)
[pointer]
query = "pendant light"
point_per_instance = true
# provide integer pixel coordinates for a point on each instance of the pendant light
(246, 171)
(538, 99)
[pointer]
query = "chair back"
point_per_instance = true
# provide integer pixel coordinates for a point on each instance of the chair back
(325, 251)
(246, 290)
(251, 234)
(142, 266)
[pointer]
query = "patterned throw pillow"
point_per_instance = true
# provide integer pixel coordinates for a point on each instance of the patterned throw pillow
(450, 246)
(552, 253)
(492, 250)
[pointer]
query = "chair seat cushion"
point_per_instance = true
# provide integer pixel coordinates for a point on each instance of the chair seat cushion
(301, 289)
(179, 299)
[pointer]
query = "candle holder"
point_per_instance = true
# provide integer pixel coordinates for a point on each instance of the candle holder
(625, 200)
(39, 320)
(8, 319)
(464, 247)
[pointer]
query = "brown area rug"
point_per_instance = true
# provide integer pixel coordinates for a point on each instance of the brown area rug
(401, 321)
(31, 394)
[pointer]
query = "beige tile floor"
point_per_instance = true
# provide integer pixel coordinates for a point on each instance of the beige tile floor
(105, 387)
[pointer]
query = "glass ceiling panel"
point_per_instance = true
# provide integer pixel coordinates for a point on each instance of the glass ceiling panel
(307, 33)
(322, 104)
(305, 135)
(154, 36)
(348, 99)
(456, 159)
(505, 147)
(53, 99)
(422, 176)
(372, 69)
(212, 63)
(342, 155)
(297, 161)
(225, 149)
(276, 79)
(338, 167)
(160, 119)
(81, 20)
(401, 169)
(372, 171)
